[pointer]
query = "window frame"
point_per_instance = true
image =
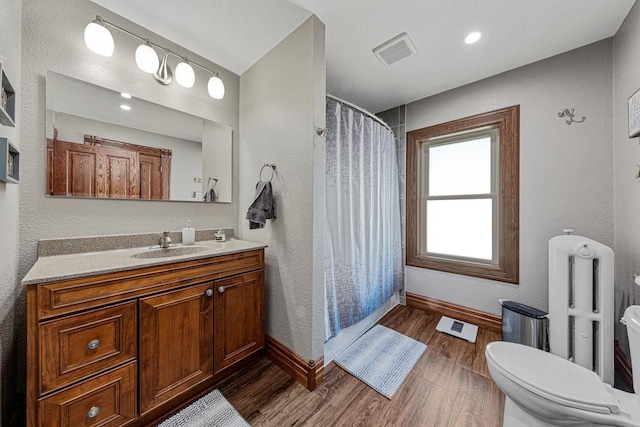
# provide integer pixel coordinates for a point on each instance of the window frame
(505, 266)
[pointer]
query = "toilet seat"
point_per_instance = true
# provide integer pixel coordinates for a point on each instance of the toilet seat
(552, 377)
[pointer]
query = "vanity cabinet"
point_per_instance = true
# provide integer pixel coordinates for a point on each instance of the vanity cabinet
(131, 347)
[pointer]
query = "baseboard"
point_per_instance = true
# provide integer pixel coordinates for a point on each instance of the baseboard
(622, 365)
(484, 320)
(309, 373)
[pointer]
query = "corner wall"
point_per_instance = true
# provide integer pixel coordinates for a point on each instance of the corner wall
(9, 219)
(626, 155)
(282, 102)
(565, 170)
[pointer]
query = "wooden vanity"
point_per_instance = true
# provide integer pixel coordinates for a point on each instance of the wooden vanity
(129, 347)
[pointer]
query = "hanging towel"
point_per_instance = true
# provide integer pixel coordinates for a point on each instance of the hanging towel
(263, 206)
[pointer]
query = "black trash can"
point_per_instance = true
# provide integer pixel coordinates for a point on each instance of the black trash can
(524, 325)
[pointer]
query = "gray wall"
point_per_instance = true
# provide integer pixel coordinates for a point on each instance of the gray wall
(565, 170)
(626, 155)
(281, 104)
(9, 202)
(53, 40)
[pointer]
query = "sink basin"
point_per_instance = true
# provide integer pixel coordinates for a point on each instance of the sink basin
(169, 252)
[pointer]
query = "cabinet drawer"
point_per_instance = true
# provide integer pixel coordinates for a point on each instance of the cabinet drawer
(82, 345)
(108, 400)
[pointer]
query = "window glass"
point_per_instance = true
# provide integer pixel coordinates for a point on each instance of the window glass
(461, 228)
(460, 168)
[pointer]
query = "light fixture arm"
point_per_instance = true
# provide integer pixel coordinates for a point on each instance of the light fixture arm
(146, 40)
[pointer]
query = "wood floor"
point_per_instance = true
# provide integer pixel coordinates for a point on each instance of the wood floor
(450, 386)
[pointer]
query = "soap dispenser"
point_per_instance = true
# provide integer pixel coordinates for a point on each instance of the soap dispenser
(188, 234)
(220, 236)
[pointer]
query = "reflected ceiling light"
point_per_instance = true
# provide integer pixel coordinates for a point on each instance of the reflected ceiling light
(216, 87)
(184, 74)
(125, 107)
(98, 39)
(147, 58)
(125, 95)
(472, 37)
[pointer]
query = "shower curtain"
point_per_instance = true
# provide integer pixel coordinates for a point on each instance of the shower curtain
(363, 254)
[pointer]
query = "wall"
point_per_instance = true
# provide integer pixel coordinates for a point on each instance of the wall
(9, 202)
(53, 40)
(626, 155)
(565, 170)
(282, 102)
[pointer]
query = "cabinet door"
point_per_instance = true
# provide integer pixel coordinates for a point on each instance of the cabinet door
(238, 319)
(176, 343)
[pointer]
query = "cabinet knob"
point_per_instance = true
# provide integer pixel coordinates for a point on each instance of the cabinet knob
(221, 289)
(93, 412)
(209, 292)
(93, 345)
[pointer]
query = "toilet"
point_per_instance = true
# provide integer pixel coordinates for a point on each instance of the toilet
(545, 390)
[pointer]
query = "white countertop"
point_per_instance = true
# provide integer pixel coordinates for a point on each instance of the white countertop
(61, 267)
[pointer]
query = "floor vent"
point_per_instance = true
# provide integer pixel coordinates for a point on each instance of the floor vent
(395, 49)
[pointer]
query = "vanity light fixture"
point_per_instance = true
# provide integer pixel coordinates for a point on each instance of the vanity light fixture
(216, 87)
(125, 95)
(472, 37)
(99, 40)
(185, 75)
(125, 107)
(147, 58)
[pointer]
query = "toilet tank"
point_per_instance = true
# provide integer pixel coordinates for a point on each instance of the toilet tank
(632, 320)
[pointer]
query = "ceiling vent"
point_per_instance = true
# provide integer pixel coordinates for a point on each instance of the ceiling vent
(395, 49)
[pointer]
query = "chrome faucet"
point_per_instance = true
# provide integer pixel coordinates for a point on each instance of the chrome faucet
(165, 240)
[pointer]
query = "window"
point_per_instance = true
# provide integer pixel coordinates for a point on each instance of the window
(462, 196)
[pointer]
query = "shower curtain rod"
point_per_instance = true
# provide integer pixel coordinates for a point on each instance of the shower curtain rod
(362, 110)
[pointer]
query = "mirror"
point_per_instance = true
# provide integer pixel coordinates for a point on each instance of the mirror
(102, 144)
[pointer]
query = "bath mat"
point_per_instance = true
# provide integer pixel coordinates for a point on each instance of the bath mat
(381, 358)
(211, 410)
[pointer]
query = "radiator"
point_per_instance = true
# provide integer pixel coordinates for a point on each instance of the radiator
(581, 303)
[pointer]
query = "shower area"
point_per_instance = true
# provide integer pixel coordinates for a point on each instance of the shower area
(363, 231)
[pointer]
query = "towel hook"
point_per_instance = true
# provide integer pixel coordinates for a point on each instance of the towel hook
(273, 170)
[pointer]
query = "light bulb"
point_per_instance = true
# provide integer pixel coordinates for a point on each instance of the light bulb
(185, 75)
(98, 38)
(147, 58)
(472, 37)
(216, 87)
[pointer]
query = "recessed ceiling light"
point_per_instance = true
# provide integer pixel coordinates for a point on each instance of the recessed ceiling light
(472, 37)
(125, 107)
(126, 95)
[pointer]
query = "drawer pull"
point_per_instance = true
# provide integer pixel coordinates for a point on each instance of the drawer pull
(92, 346)
(221, 289)
(209, 292)
(93, 412)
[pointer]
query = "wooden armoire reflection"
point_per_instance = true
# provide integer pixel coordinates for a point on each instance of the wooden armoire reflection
(106, 168)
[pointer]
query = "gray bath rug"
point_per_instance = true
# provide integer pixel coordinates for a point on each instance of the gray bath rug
(381, 358)
(211, 410)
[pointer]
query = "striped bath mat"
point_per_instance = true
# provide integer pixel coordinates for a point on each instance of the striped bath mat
(381, 358)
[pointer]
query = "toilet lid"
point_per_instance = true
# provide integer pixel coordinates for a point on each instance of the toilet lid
(553, 377)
